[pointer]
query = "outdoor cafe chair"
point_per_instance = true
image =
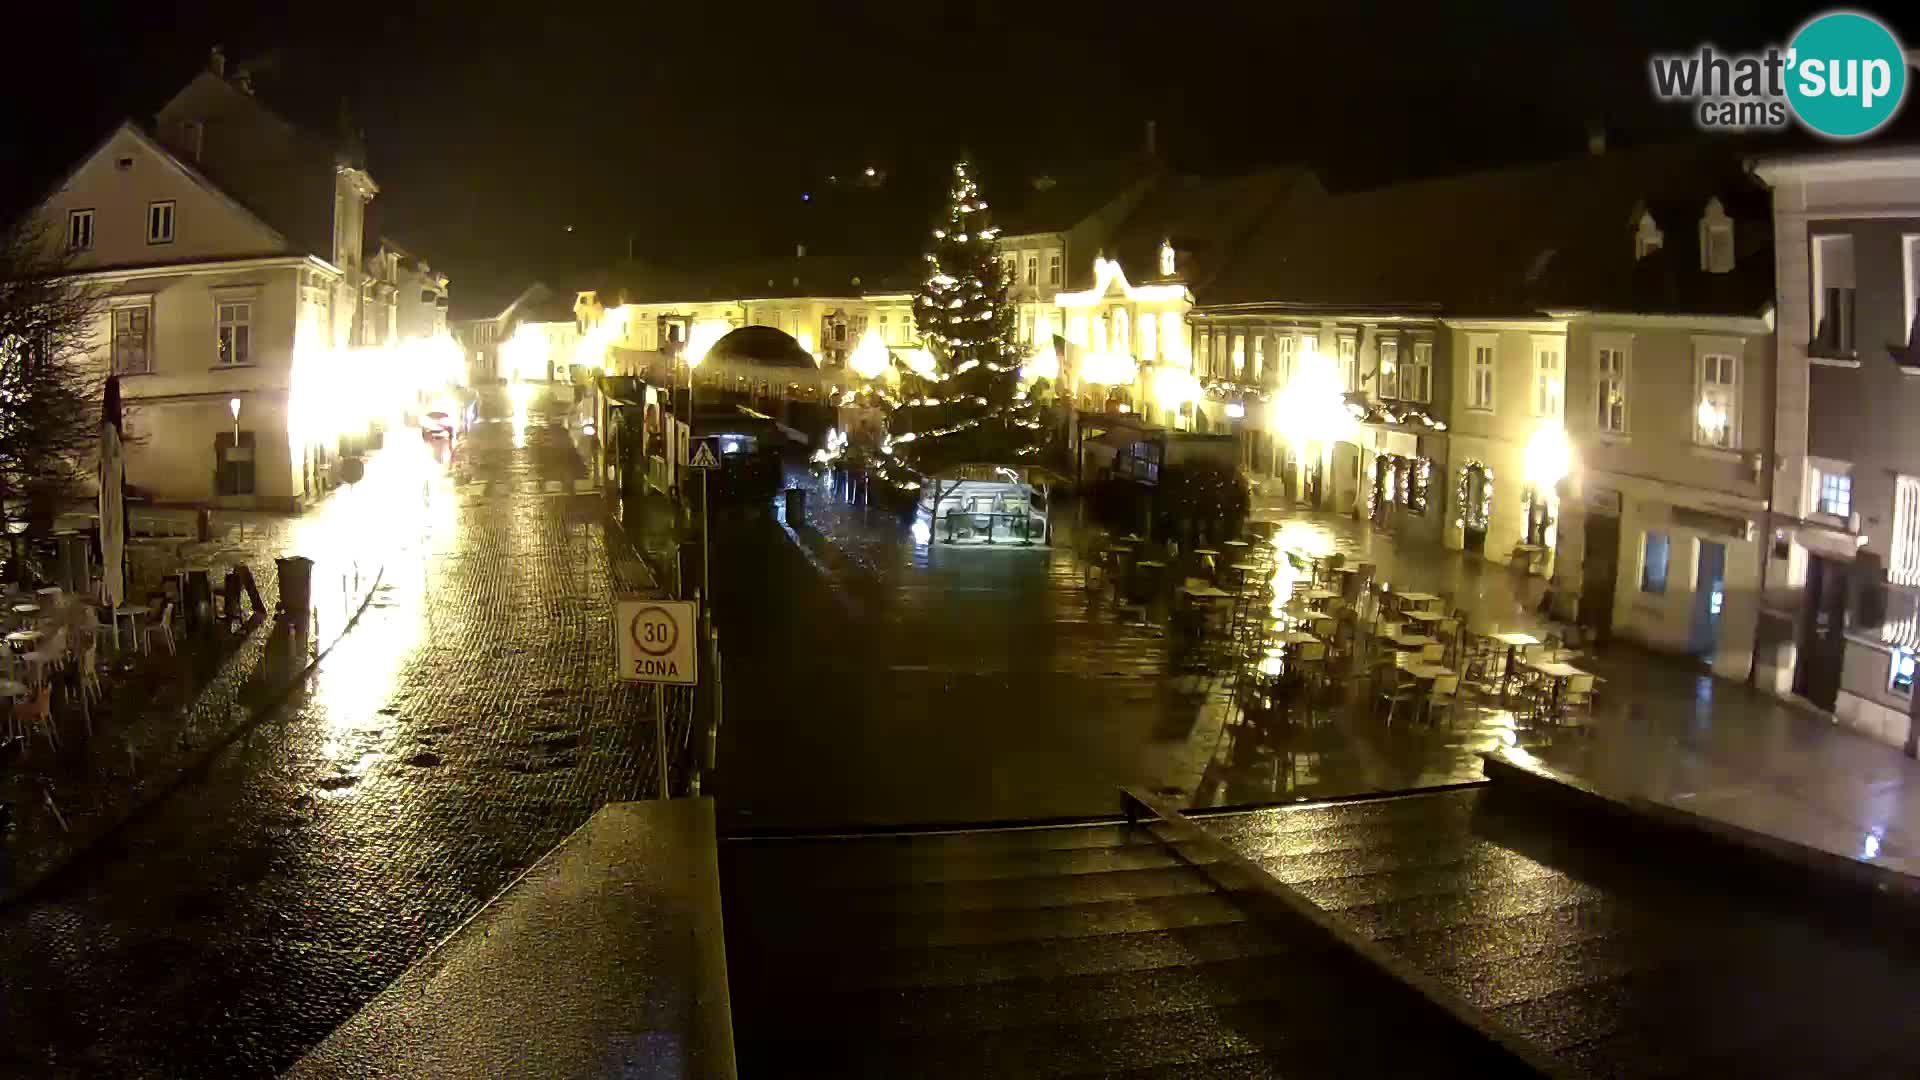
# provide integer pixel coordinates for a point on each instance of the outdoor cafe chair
(1397, 691)
(1578, 696)
(35, 714)
(1434, 653)
(163, 627)
(1444, 696)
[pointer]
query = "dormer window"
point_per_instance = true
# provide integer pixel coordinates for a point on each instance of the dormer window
(1716, 239)
(1166, 258)
(1647, 237)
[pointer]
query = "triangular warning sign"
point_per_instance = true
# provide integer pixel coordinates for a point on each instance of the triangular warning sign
(703, 457)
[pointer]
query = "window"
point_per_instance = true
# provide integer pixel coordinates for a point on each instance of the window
(1480, 376)
(1836, 494)
(1026, 326)
(131, 326)
(1239, 355)
(1033, 270)
(1716, 420)
(1149, 338)
(1203, 350)
(1910, 267)
(79, 230)
(1416, 379)
(160, 222)
(1347, 347)
(235, 324)
(1013, 274)
(886, 332)
(1900, 672)
(1166, 258)
(1389, 378)
(1309, 343)
(1832, 296)
(1053, 268)
(1117, 321)
(1610, 389)
(1903, 568)
(1283, 354)
(1549, 381)
(1259, 357)
(234, 475)
(1653, 563)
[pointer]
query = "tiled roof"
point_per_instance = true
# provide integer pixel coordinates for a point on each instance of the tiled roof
(1515, 242)
(1205, 219)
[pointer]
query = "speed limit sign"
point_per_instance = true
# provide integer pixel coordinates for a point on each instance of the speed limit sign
(655, 641)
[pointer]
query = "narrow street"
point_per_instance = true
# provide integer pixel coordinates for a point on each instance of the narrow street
(466, 726)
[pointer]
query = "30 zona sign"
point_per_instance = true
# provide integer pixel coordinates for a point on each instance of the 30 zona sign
(655, 641)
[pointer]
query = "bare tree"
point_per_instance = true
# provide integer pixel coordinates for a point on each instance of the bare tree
(50, 385)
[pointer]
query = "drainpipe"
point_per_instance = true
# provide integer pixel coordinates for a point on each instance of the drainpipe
(1767, 467)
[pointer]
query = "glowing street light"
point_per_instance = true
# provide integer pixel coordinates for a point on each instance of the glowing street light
(1548, 456)
(869, 359)
(233, 406)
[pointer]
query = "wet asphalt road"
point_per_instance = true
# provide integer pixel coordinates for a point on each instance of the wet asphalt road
(465, 727)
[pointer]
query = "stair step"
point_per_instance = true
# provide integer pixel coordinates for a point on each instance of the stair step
(972, 965)
(1194, 1037)
(861, 865)
(1061, 1001)
(801, 941)
(935, 898)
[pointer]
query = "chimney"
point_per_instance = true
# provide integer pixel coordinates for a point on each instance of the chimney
(1153, 148)
(1596, 140)
(217, 61)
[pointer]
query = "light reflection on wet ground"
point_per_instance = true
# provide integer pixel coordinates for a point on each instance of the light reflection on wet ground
(466, 726)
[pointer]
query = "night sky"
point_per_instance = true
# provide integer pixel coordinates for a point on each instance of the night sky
(493, 128)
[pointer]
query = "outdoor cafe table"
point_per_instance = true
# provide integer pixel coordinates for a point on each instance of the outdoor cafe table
(1514, 641)
(133, 615)
(26, 609)
(1243, 569)
(1419, 600)
(1414, 641)
(12, 688)
(24, 640)
(1238, 546)
(1294, 637)
(1321, 596)
(1207, 560)
(1422, 616)
(1558, 672)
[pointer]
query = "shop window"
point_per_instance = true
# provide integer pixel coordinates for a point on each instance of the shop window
(1653, 563)
(1836, 494)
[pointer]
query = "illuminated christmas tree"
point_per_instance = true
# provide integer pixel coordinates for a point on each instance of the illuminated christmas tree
(964, 402)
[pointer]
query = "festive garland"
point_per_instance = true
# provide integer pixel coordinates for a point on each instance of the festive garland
(1463, 491)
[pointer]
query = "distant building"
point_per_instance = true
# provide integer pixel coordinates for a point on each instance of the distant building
(228, 242)
(1843, 589)
(483, 337)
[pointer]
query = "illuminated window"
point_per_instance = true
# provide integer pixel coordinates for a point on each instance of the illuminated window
(1903, 566)
(235, 333)
(1900, 672)
(1239, 355)
(1388, 382)
(1346, 349)
(1549, 380)
(1259, 357)
(1283, 351)
(1118, 325)
(1610, 389)
(1033, 270)
(1416, 379)
(1653, 562)
(1717, 415)
(1836, 494)
(1053, 268)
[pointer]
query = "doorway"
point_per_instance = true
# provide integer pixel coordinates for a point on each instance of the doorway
(1473, 513)
(1822, 646)
(1600, 574)
(1709, 596)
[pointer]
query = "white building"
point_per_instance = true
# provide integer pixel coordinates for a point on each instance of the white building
(227, 243)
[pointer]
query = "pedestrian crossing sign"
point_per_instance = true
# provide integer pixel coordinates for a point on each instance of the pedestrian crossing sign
(703, 457)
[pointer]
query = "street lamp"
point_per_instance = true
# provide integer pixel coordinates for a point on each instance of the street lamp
(233, 406)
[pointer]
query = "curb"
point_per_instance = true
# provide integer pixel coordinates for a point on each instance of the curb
(194, 764)
(1795, 863)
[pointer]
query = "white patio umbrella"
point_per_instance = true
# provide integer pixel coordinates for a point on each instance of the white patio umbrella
(113, 517)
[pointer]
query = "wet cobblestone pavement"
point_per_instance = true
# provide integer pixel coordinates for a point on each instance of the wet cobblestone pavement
(466, 726)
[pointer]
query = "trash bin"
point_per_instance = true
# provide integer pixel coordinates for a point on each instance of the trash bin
(796, 507)
(296, 585)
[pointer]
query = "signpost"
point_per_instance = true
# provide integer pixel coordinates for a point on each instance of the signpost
(655, 643)
(704, 461)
